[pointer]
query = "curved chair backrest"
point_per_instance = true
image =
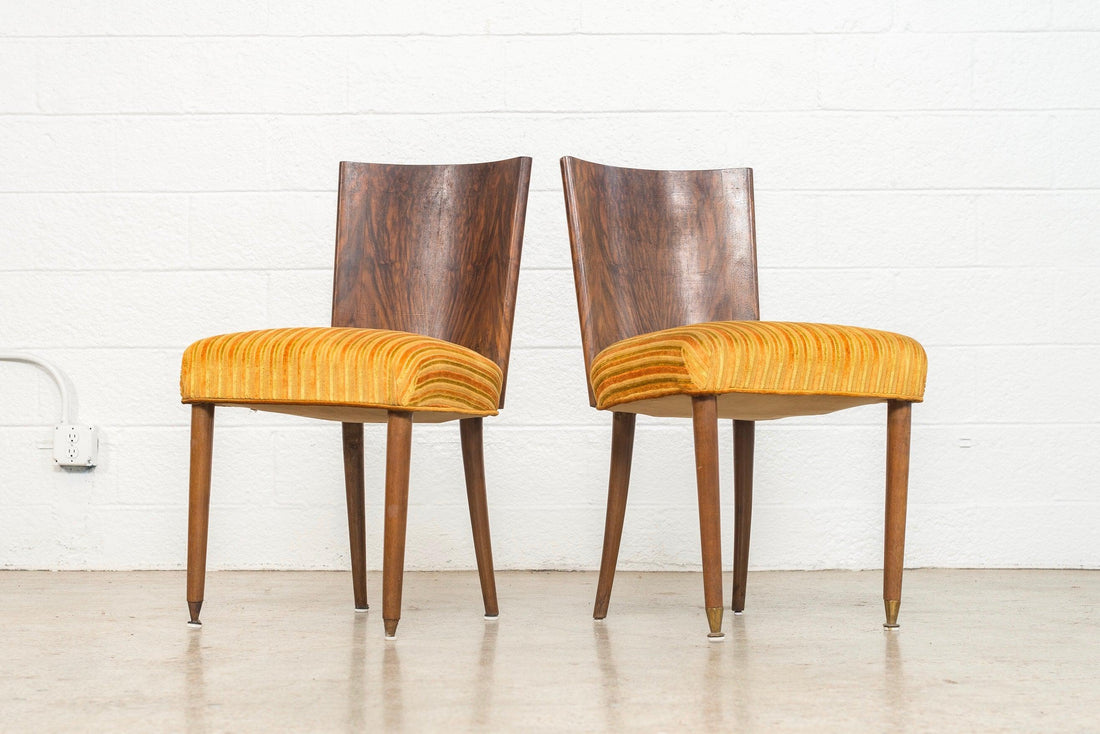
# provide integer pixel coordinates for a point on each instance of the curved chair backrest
(658, 249)
(432, 250)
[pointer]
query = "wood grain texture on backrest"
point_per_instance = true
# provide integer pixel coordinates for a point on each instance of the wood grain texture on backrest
(658, 249)
(432, 250)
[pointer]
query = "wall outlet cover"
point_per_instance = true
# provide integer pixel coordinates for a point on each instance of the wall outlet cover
(75, 446)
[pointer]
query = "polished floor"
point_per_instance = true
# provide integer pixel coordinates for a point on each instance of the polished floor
(977, 651)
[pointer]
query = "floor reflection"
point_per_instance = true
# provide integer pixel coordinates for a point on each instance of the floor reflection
(741, 688)
(721, 688)
(609, 673)
(194, 712)
(357, 664)
(485, 676)
(399, 693)
(715, 686)
(894, 676)
(393, 698)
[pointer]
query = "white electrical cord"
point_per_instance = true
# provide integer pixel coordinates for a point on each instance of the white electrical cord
(64, 385)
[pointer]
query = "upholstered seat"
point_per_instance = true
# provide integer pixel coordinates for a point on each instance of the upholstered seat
(758, 369)
(341, 368)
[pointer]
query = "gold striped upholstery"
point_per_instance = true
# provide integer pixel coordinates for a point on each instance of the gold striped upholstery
(760, 357)
(372, 368)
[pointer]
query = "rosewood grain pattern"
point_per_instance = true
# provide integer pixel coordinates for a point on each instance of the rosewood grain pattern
(473, 464)
(658, 249)
(432, 250)
(744, 439)
(198, 513)
(357, 527)
(622, 449)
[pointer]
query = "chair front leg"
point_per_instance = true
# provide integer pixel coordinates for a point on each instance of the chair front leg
(898, 422)
(198, 513)
(704, 412)
(398, 450)
(622, 449)
(744, 438)
(357, 530)
(473, 463)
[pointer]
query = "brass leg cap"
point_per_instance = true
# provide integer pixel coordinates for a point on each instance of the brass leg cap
(194, 607)
(714, 618)
(391, 628)
(892, 606)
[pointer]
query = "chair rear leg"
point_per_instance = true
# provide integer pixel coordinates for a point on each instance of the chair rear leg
(473, 462)
(198, 513)
(357, 530)
(744, 438)
(704, 411)
(398, 450)
(898, 421)
(622, 449)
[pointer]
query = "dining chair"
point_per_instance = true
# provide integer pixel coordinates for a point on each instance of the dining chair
(665, 272)
(427, 261)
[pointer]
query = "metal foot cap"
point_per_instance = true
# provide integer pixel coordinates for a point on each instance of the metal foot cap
(714, 618)
(892, 606)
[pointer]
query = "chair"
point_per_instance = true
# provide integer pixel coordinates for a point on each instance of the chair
(427, 261)
(665, 272)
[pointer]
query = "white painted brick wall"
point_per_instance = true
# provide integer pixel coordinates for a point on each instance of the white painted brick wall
(168, 171)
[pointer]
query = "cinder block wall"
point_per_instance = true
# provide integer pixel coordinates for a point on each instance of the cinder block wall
(168, 171)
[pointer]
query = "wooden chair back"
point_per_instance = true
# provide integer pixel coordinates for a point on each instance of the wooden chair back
(432, 250)
(657, 249)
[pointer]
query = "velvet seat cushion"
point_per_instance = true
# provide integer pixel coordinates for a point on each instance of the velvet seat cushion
(799, 368)
(346, 367)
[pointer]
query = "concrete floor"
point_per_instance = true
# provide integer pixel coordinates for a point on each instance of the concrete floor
(978, 651)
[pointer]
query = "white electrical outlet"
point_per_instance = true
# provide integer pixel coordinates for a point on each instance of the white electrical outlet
(75, 445)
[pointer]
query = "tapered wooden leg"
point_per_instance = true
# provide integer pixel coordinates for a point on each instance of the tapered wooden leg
(473, 462)
(744, 438)
(398, 449)
(898, 415)
(704, 411)
(622, 448)
(357, 529)
(198, 513)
